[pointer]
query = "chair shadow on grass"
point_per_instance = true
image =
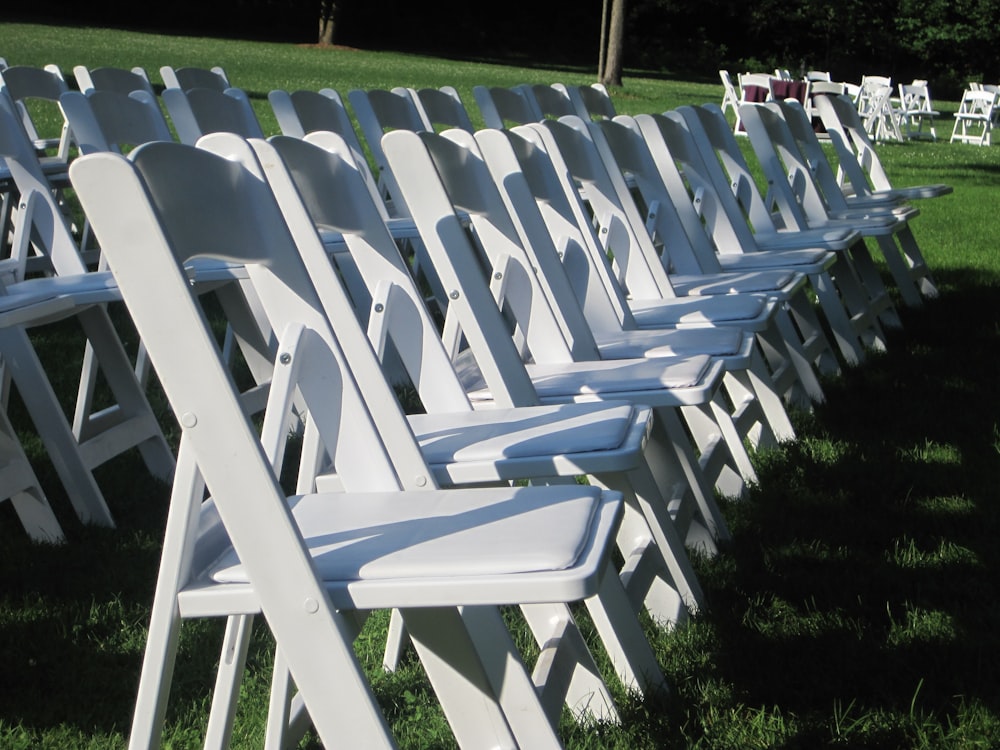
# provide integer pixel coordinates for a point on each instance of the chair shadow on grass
(864, 568)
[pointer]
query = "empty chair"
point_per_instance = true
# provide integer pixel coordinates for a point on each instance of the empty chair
(551, 101)
(198, 111)
(916, 109)
(108, 120)
(975, 118)
(753, 87)
(376, 545)
(194, 78)
(502, 107)
(95, 435)
(29, 87)
(859, 169)
(875, 107)
(443, 108)
(112, 79)
(730, 95)
(592, 102)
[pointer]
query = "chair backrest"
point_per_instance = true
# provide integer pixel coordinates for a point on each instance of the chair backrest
(755, 87)
(199, 111)
(443, 108)
(502, 107)
(29, 86)
(329, 180)
(108, 120)
(112, 79)
(591, 102)
(551, 101)
(44, 225)
(859, 164)
(194, 78)
(818, 75)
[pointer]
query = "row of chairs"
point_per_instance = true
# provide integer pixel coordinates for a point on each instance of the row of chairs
(642, 342)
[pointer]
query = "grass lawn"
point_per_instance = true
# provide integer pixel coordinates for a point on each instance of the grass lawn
(857, 605)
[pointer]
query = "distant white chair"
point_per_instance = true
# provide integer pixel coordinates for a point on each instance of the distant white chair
(916, 109)
(29, 87)
(975, 118)
(443, 108)
(592, 102)
(730, 95)
(109, 120)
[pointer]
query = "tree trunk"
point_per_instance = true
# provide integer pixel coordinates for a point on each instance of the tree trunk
(604, 40)
(612, 73)
(327, 21)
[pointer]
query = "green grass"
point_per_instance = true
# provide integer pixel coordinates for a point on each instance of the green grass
(857, 605)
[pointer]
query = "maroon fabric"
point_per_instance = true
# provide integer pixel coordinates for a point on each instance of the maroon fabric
(755, 94)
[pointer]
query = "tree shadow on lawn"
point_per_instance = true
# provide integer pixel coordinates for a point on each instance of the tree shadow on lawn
(865, 565)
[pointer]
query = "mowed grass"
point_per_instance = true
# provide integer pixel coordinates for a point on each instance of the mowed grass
(857, 605)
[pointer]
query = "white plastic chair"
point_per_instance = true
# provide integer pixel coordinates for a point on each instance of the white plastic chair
(199, 111)
(859, 169)
(195, 78)
(730, 95)
(916, 109)
(108, 120)
(442, 108)
(502, 107)
(95, 436)
(26, 86)
(592, 102)
(975, 118)
(112, 79)
(314, 563)
(876, 108)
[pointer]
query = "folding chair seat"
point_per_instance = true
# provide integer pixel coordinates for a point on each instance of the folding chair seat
(195, 78)
(552, 366)
(502, 107)
(112, 79)
(865, 300)
(442, 108)
(975, 118)
(592, 102)
(794, 191)
(391, 539)
(859, 170)
(199, 111)
(96, 435)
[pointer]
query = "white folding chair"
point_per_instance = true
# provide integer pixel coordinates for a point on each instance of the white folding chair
(313, 564)
(194, 78)
(112, 79)
(443, 108)
(501, 106)
(730, 96)
(96, 435)
(109, 120)
(859, 169)
(916, 109)
(198, 111)
(975, 118)
(29, 87)
(592, 102)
